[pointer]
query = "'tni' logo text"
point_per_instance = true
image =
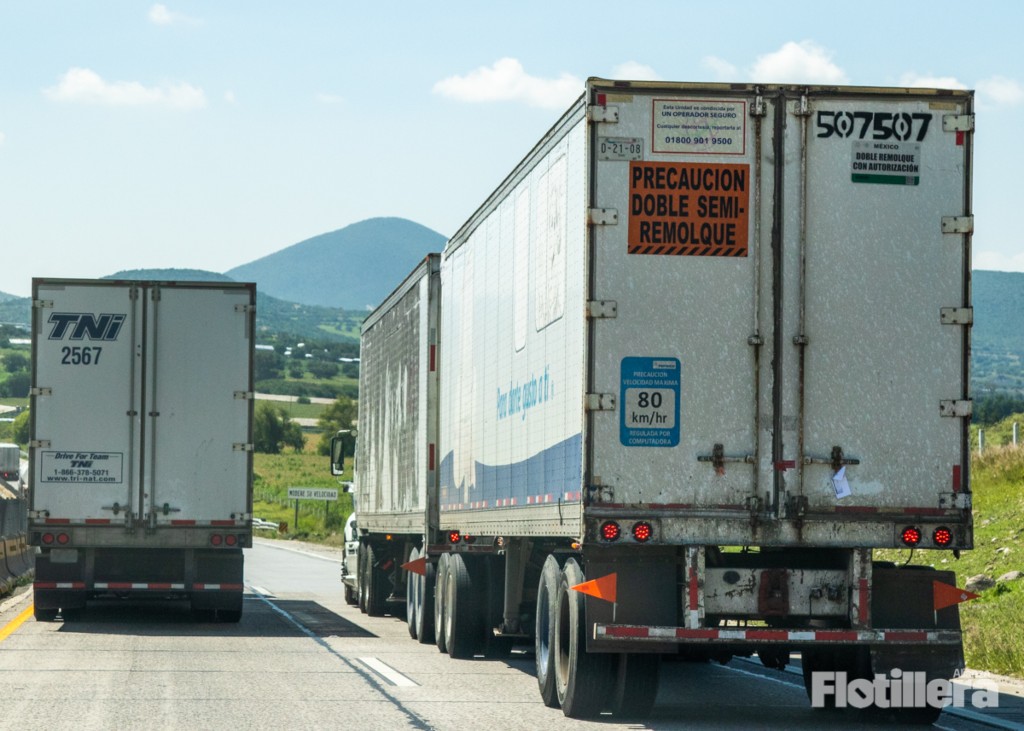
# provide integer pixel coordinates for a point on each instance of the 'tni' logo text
(83, 326)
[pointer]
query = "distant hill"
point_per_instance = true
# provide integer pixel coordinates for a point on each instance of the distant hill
(997, 339)
(273, 315)
(354, 268)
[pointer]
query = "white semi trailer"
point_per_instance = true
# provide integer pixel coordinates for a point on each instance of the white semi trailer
(141, 453)
(702, 351)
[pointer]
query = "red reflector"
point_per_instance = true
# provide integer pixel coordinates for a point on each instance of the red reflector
(643, 531)
(942, 536)
(610, 531)
(47, 538)
(63, 538)
(216, 539)
(911, 536)
(231, 539)
(454, 536)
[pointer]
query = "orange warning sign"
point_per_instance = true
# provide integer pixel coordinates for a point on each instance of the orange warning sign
(944, 595)
(604, 588)
(688, 209)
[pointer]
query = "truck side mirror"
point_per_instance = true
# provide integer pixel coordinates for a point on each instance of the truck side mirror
(337, 455)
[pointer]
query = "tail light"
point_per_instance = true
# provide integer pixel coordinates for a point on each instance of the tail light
(642, 531)
(63, 539)
(610, 531)
(216, 539)
(942, 536)
(911, 536)
(454, 536)
(469, 539)
(231, 539)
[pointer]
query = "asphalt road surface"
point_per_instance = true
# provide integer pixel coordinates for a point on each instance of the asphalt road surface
(302, 659)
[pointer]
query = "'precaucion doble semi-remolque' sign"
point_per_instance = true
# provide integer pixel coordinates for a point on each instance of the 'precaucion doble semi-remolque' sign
(688, 208)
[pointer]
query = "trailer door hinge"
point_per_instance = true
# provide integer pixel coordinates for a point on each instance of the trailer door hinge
(957, 122)
(600, 402)
(243, 395)
(956, 315)
(958, 224)
(241, 447)
(606, 114)
(39, 443)
(602, 309)
(245, 308)
(42, 304)
(40, 391)
(962, 408)
(603, 216)
(758, 108)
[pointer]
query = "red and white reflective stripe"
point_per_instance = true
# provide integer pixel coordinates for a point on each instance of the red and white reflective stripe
(136, 585)
(206, 523)
(635, 632)
(217, 587)
(59, 584)
(539, 499)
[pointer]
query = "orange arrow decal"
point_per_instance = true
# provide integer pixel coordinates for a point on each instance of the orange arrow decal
(603, 588)
(419, 566)
(945, 595)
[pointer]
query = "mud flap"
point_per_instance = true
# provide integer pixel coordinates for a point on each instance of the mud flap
(647, 594)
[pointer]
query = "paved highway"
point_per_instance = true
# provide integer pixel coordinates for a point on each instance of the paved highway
(302, 658)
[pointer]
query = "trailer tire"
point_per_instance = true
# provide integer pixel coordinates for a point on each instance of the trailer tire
(413, 596)
(544, 626)
(441, 579)
(425, 607)
(373, 580)
(463, 627)
(636, 684)
(361, 578)
(583, 679)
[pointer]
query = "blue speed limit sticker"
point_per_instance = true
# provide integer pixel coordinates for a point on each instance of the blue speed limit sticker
(649, 402)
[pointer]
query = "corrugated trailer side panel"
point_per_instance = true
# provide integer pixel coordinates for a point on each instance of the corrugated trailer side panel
(513, 324)
(394, 468)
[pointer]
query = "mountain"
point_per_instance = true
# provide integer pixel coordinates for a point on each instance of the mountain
(997, 338)
(273, 315)
(354, 268)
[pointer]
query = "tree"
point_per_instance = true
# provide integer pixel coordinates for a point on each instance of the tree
(339, 415)
(17, 385)
(14, 362)
(21, 428)
(323, 369)
(267, 365)
(272, 430)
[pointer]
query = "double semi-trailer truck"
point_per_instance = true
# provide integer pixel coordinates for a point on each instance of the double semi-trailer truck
(664, 393)
(140, 457)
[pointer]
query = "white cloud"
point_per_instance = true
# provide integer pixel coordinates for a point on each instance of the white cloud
(86, 86)
(229, 96)
(721, 70)
(799, 63)
(506, 80)
(635, 71)
(2, 138)
(159, 14)
(325, 98)
(997, 261)
(1000, 91)
(915, 80)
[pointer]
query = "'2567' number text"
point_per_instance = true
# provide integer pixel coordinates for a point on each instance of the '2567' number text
(80, 356)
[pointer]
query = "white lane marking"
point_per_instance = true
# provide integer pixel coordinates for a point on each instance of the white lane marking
(261, 591)
(388, 673)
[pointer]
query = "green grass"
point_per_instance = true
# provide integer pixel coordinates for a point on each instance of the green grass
(275, 473)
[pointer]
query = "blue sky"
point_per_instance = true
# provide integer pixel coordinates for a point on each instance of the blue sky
(208, 134)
